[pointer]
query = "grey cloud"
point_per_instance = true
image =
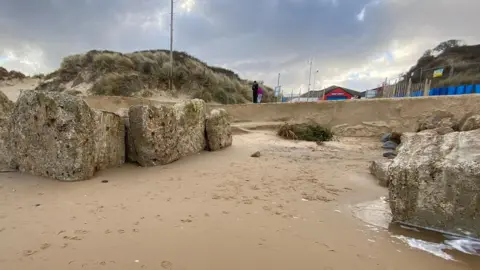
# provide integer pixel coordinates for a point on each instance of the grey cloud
(279, 26)
(257, 39)
(61, 27)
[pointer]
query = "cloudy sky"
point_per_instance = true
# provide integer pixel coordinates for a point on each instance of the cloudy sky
(353, 43)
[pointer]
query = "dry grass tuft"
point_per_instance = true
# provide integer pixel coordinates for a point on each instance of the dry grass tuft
(306, 132)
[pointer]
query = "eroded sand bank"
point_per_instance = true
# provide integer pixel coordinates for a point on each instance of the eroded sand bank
(288, 209)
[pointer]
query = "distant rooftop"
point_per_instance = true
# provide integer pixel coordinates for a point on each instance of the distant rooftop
(317, 93)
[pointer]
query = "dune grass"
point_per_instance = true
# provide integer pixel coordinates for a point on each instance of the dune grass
(145, 72)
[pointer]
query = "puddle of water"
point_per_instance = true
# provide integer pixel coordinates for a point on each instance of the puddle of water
(377, 214)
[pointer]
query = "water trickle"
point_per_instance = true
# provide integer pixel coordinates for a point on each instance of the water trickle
(377, 215)
(433, 248)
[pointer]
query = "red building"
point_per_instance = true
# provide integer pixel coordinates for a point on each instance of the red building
(332, 93)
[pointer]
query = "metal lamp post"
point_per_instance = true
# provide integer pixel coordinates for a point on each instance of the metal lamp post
(314, 81)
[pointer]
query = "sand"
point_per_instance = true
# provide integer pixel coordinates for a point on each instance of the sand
(291, 208)
(12, 88)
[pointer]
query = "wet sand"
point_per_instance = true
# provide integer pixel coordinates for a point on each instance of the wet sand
(291, 208)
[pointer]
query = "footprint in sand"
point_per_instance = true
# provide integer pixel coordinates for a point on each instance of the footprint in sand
(74, 238)
(81, 232)
(27, 253)
(167, 265)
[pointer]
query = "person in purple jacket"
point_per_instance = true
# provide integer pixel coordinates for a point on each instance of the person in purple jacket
(259, 95)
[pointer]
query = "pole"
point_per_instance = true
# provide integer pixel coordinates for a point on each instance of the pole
(385, 94)
(319, 88)
(278, 88)
(171, 45)
(314, 81)
(309, 77)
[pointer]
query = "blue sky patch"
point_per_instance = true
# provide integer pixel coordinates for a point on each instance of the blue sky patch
(3, 59)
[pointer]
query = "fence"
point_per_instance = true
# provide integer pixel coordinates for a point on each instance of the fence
(405, 89)
(310, 96)
(408, 89)
(455, 90)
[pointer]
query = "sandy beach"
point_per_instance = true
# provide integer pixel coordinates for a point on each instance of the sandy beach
(294, 207)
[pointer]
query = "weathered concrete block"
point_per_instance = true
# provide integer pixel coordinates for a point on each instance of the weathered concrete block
(435, 181)
(5, 154)
(59, 136)
(191, 116)
(161, 135)
(379, 169)
(218, 130)
(6, 108)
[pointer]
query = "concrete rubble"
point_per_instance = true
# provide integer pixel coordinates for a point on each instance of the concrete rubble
(365, 129)
(441, 121)
(470, 123)
(435, 181)
(164, 134)
(218, 130)
(59, 136)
